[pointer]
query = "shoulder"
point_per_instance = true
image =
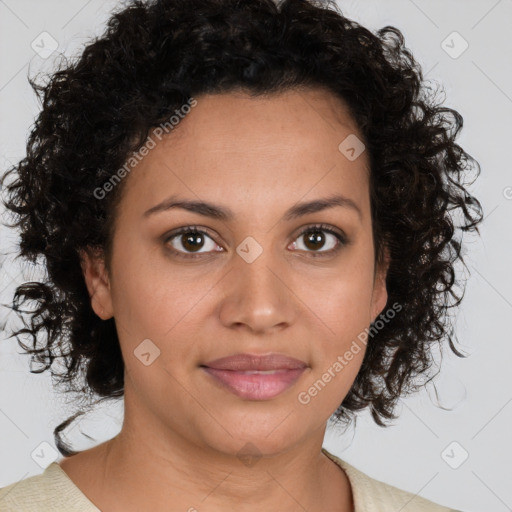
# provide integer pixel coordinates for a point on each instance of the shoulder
(372, 494)
(51, 490)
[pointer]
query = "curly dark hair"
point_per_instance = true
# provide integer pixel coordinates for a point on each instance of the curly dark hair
(153, 57)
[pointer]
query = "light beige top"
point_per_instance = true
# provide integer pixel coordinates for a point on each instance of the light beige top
(54, 491)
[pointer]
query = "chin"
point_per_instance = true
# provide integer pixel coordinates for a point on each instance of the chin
(256, 441)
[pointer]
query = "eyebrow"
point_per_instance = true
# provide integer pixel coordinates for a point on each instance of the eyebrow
(225, 214)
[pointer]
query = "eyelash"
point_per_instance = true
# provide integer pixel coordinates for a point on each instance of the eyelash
(342, 240)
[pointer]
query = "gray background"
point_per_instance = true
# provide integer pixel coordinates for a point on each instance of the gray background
(469, 414)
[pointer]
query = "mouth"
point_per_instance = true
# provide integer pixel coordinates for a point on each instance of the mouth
(254, 377)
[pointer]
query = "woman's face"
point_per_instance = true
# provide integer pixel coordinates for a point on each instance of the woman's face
(251, 283)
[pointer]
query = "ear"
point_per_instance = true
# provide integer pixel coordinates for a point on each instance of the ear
(380, 293)
(97, 281)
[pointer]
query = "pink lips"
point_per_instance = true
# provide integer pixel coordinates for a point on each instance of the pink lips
(256, 377)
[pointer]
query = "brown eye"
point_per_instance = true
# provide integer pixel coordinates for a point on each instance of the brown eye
(192, 241)
(315, 238)
(189, 241)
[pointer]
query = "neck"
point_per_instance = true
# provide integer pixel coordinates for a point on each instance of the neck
(150, 467)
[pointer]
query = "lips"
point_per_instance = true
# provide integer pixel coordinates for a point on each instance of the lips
(254, 377)
(248, 362)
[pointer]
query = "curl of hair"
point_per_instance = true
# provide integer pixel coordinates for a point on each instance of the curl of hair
(152, 58)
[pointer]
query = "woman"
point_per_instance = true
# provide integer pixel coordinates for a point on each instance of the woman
(245, 214)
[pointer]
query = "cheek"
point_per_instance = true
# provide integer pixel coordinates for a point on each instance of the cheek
(341, 333)
(337, 355)
(340, 299)
(149, 296)
(170, 312)
(347, 311)
(162, 312)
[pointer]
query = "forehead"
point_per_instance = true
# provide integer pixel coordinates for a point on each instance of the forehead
(237, 121)
(237, 148)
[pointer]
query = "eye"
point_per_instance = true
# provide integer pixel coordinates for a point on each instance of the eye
(188, 241)
(316, 239)
(190, 238)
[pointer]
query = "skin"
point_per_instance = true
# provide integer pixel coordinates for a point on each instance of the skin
(178, 446)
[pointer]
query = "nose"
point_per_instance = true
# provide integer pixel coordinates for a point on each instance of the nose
(258, 295)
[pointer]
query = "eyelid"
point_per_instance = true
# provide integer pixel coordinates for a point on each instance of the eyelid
(322, 227)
